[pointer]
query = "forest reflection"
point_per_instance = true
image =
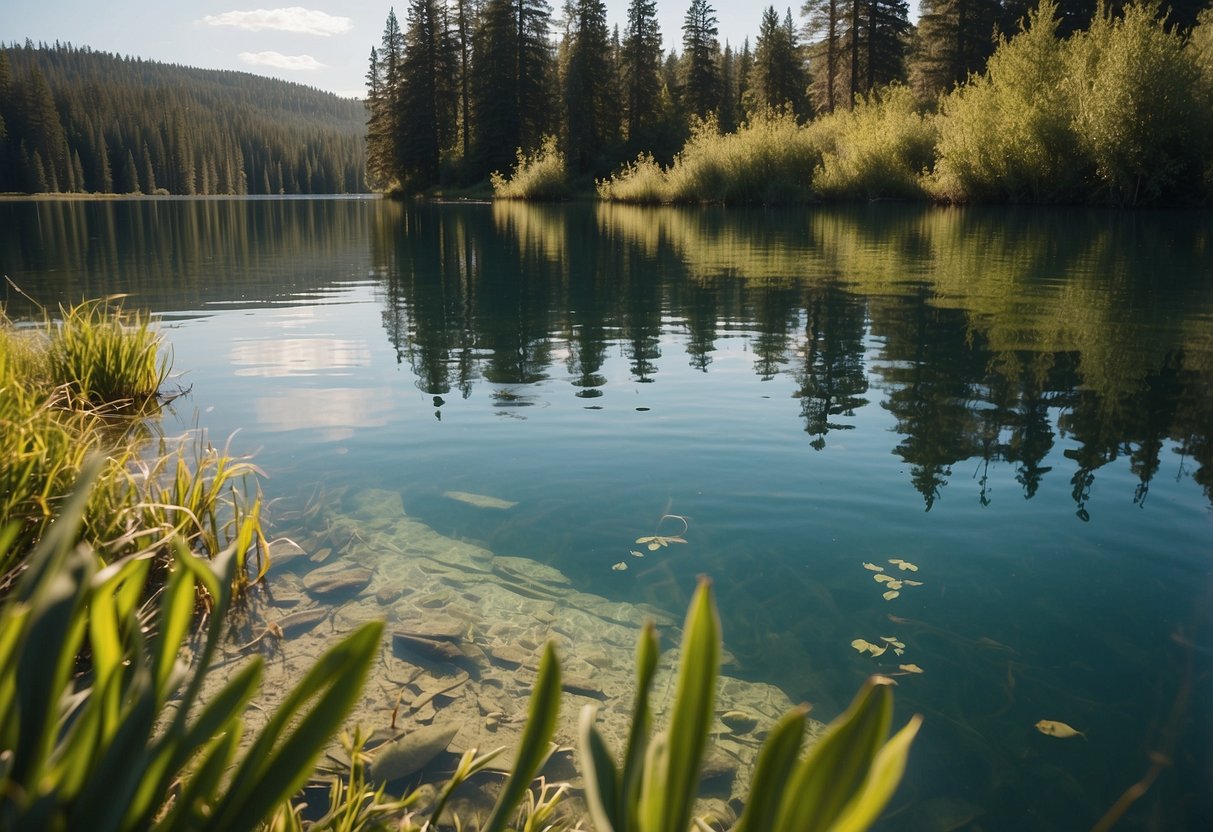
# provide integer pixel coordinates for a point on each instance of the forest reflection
(987, 335)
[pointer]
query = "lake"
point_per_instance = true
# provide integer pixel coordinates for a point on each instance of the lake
(1018, 403)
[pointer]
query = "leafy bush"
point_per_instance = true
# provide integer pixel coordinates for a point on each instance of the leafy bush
(541, 175)
(1137, 111)
(768, 160)
(879, 149)
(1008, 134)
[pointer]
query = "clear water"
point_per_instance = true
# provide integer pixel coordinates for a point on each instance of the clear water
(1018, 402)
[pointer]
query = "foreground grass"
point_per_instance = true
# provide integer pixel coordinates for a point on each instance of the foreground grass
(88, 383)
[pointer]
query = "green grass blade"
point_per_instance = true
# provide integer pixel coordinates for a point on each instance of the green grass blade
(693, 707)
(599, 773)
(651, 806)
(776, 761)
(836, 766)
(647, 653)
(533, 747)
(176, 614)
(882, 780)
(271, 770)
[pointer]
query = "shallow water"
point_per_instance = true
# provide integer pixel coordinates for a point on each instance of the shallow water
(1018, 402)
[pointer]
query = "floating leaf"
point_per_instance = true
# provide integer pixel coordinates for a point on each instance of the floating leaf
(648, 539)
(861, 644)
(893, 640)
(877, 650)
(636, 554)
(872, 567)
(895, 584)
(905, 564)
(911, 668)
(674, 539)
(908, 582)
(891, 594)
(619, 567)
(882, 579)
(896, 561)
(898, 651)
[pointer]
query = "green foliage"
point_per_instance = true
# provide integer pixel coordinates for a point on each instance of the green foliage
(1008, 134)
(842, 784)
(131, 744)
(541, 175)
(1134, 91)
(102, 355)
(769, 160)
(879, 149)
(88, 384)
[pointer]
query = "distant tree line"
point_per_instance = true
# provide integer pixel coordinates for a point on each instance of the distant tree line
(458, 88)
(75, 120)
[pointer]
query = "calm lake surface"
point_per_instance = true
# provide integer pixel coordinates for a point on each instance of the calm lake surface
(1020, 403)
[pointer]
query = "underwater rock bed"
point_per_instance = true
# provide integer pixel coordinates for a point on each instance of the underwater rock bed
(464, 632)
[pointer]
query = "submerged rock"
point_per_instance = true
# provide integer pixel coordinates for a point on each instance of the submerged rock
(479, 500)
(331, 583)
(410, 753)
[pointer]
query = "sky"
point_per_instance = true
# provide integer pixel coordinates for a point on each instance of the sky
(324, 44)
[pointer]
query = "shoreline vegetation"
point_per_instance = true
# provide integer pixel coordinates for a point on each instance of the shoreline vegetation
(89, 383)
(1121, 115)
(1111, 105)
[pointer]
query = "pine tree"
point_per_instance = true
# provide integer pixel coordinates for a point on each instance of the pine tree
(700, 49)
(426, 117)
(640, 68)
(779, 77)
(511, 82)
(954, 38)
(824, 27)
(586, 91)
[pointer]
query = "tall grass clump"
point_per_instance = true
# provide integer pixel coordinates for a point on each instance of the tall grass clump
(541, 175)
(768, 160)
(1009, 135)
(90, 383)
(102, 355)
(879, 149)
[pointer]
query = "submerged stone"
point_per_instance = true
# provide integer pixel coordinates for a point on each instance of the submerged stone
(331, 583)
(410, 753)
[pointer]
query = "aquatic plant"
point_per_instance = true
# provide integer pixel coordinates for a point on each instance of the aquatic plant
(541, 175)
(131, 744)
(844, 782)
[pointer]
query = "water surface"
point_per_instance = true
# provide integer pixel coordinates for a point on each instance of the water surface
(1018, 402)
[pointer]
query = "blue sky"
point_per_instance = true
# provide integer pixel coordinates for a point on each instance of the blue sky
(321, 44)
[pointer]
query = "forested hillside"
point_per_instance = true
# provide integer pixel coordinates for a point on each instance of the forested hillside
(74, 120)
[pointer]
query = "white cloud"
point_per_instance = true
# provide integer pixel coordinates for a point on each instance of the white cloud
(280, 61)
(295, 19)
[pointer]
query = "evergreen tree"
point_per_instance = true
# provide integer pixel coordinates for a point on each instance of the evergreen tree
(824, 27)
(586, 86)
(640, 68)
(778, 76)
(954, 38)
(700, 50)
(511, 85)
(730, 110)
(426, 115)
(886, 29)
